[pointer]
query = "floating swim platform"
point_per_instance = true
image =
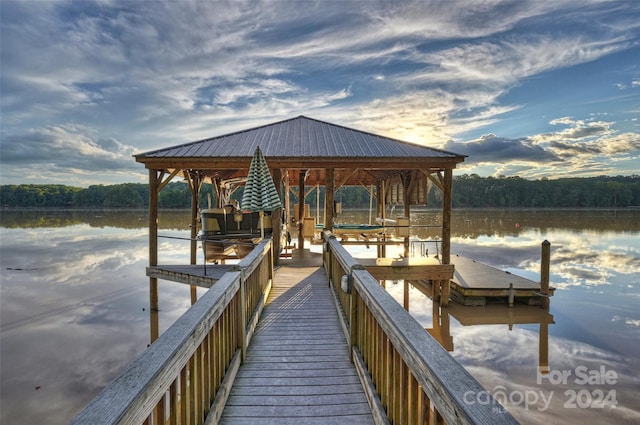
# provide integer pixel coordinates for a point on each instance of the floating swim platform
(340, 229)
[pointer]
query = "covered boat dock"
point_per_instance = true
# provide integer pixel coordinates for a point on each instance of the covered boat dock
(316, 339)
(302, 152)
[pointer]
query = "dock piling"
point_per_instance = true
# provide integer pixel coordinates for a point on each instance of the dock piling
(544, 273)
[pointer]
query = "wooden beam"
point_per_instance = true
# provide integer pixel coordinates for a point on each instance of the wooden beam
(195, 183)
(305, 163)
(162, 184)
(154, 178)
(439, 181)
(276, 215)
(301, 179)
(287, 199)
(346, 178)
(329, 194)
(446, 216)
(309, 191)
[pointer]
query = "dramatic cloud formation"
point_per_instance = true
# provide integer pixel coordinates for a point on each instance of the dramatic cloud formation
(86, 84)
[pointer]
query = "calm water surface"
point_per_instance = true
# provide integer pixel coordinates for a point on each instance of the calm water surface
(74, 309)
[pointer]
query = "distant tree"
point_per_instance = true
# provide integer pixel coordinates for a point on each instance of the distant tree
(124, 196)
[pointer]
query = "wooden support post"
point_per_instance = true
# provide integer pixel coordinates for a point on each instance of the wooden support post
(445, 330)
(406, 190)
(406, 295)
(353, 322)
(329, 193)
(154, 324)
(194, 183)
(545, 261)
(383, 211)
(435, 286)
(301, 198)
(276, 226)
(287, 200)
(446, 216)
(543, 349)
(445, 292)
(379, 209)
(153, 246)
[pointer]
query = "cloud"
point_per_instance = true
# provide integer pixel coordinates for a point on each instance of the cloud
(66, 150)
(621, 144)
(578, 129)
(584, 147)
(587, 139)
(491, 148)
(66, 147)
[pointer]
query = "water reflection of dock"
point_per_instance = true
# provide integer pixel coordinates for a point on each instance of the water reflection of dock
(491, 314)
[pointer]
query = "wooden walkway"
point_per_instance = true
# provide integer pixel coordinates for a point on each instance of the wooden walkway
(298, 369)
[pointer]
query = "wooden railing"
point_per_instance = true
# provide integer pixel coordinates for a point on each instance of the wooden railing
(185, 376)
(408, 377)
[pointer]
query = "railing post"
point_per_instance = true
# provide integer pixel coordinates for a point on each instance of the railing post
(242, 320)
(353, 320)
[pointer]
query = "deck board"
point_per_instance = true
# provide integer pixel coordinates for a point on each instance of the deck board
(190, 274)
(474, 275)
(298, 369)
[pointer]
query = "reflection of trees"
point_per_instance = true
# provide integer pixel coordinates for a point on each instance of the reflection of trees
(475, 223)
(126, 219)
(469, 224)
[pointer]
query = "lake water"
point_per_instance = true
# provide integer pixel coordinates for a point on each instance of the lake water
(74, 309)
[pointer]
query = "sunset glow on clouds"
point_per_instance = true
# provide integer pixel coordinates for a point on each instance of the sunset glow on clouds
(529, 88)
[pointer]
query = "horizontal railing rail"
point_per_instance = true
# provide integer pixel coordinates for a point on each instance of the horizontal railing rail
(411, 378)
(185, 376)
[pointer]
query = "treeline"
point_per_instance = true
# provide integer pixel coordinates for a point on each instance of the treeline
(472, 191)
(127, 195)
(469, 191)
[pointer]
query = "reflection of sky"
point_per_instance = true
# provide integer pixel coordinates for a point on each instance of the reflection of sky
(583, 335)
(586, 258)
(482, 351)
(74, 312)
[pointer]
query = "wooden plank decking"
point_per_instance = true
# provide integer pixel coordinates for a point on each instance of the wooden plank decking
(298, 369)
(473, 282)
(190, 274)
(470, 275)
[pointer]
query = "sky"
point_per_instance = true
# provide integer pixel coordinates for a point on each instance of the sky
(536, 89)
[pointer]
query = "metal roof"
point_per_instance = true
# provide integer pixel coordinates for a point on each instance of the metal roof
(300, 137)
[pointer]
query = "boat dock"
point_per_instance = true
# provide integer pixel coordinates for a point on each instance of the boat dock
(264, 344)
